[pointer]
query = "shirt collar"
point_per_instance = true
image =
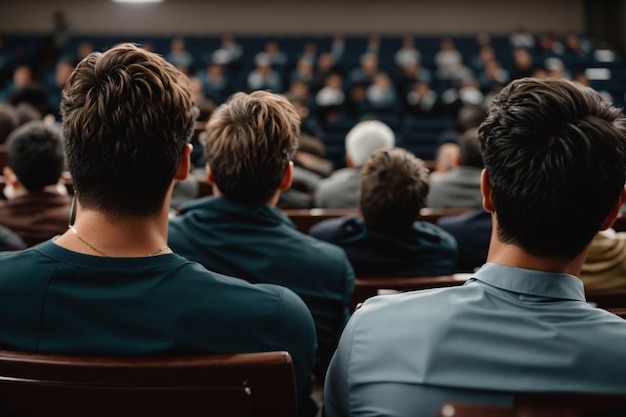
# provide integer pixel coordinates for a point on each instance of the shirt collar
(532, 282)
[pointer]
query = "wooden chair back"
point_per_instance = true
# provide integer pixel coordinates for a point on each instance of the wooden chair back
(365, 288)
(545, 405)
(608, 299)
(484, 410)
(250, 384)
(585, 404)
(304, 219)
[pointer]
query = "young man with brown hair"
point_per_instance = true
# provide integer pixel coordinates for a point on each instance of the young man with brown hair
(249, 144)
(110, 285)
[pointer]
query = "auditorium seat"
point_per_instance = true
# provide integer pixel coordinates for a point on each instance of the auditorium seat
(304, 219)
(545, 405)
(483, 410)
(250, 384)
(365, 288)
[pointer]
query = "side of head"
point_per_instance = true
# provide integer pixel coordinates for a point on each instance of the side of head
(469, 150)
(394, 185)
(250, 141)
(366, 137)
(35, 155)
(127, 117)
(555, 154)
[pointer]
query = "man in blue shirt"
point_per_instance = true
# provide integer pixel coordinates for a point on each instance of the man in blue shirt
(555, 158)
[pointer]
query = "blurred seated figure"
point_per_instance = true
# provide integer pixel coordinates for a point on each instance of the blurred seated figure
(408, 53)
(472, 232)
(521, 38)
(422, 100)
(388, 241)
(37, 206)
(325, 66)
(605, 265)
(278, 59)
(215, 83)
(449, 61)
(381, 93)
(410, 73)
(331, 94)
(179, 56)
(366, 72)
(62, 72)
(9, 241)
(9, 120)
(341, 189)
(445, 159)
(263, 76)
(459, 187)
(22, 77)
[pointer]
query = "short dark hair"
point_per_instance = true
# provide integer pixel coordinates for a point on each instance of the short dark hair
(394, 185)
(127, 116)
(555, 154)
(35, 154)
(469, 149)
(249, 142)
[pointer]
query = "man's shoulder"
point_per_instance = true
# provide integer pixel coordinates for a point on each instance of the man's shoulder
(339, 179)
(338, 229)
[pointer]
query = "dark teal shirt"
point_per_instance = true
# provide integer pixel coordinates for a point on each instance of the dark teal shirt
(260, 244)
(57, 301)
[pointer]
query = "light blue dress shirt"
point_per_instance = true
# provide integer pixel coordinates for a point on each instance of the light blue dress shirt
(506, 330)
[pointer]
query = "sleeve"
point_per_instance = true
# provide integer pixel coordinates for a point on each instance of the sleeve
(336, 389)
(297, 336)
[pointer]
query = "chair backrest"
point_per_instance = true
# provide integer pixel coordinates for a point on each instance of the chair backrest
(365, 288)
(304, 219)
(249, 384)
(608, 299)
(585, 404)
(484, 410)
(545, 405)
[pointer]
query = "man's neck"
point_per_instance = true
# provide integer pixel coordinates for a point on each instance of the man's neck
(96, 233)
(513, 255)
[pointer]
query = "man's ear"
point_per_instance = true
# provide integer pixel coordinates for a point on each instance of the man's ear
(485, 189)
(285, 184)
(610, 218)
(209, 174)
(349, 162)
(10, 177)
(185, 163)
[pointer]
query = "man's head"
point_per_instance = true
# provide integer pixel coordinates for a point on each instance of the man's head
(394, 185)
(249, 143)
(35, 155)
(555, 155)
(364, 138)
(469, 149)
(127, 117)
